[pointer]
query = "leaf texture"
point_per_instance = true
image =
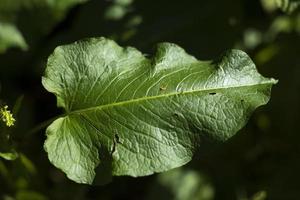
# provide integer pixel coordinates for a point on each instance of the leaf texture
(127, 114)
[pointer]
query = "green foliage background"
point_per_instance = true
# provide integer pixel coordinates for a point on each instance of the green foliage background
(260, 162)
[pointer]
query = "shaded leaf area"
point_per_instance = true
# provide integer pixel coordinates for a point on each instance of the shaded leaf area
(15, 13)
(140, 115)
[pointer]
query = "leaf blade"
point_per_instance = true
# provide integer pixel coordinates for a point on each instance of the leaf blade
(145, 115)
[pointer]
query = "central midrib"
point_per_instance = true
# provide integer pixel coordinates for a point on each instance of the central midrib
(271, 81)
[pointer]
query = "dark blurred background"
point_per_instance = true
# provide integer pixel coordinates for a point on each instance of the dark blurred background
(261, 162)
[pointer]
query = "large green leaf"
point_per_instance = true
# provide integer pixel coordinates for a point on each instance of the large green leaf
(131, 115)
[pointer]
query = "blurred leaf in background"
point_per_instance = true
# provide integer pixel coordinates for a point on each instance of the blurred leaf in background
(10, 36)
(182, 184)
(12, 14)
(287, 6)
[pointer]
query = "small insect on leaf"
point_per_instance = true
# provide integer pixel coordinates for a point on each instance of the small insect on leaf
(163, 88)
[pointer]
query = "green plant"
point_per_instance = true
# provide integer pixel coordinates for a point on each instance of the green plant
(131, 115)
(116, 112)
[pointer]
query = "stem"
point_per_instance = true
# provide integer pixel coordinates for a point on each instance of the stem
(42, 125)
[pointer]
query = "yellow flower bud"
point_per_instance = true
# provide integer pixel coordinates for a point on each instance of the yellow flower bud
(6, 116)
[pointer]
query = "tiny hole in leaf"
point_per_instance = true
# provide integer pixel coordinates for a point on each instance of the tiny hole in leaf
(212, 93)
(117, 139)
